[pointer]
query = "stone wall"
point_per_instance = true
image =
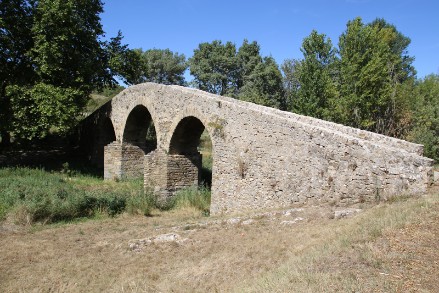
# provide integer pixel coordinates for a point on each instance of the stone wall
(266, 158)
(166, 174)
(122, 160)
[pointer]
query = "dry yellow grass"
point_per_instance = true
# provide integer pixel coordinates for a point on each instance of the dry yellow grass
(377, 250)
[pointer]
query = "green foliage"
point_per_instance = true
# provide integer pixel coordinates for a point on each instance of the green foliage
(373, 64)
(248, 58)
(197, 197)
(42, 109)
(264, 85)
(142, 204)
(426, 116)
(123, 63)
(36, 196)
(67, 52)
(159, 66)
(315, 74)
(214, 68)
(291, 83)
(28, 196)
(221, 69)
(111, 91)
(15, 63)
(52, 48)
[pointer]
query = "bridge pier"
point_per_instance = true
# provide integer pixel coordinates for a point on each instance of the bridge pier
(123, 160)
(168, 173)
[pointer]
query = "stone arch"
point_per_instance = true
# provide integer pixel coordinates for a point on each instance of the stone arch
(184, 148)
(186, 136)
(106, 136)
(125, 157)
(139, 129)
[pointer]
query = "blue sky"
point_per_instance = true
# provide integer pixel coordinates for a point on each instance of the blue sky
(279, 26)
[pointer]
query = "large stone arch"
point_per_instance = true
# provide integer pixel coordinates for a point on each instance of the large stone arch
(124, 158)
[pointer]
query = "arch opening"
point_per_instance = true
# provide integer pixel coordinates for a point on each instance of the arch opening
(139, 139)
(140, 130)
(106, 136)
(192, 140)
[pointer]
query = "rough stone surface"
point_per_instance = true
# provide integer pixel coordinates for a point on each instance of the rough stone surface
(262, 157)
(345, 213)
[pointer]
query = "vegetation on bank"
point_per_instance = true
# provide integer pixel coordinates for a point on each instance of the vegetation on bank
(34, 195)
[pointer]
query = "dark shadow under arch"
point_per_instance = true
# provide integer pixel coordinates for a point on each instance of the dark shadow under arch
(106, 136)
(191, 139)
(139, 129)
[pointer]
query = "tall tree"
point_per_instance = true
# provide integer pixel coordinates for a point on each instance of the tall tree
(51, 58)
(16, 66)
(248, 58)
(264, 85)
(215, 68)
(374, 62)
(159, 66)
(316, 77)
(67, 50)
(291, 82)
(425, 109)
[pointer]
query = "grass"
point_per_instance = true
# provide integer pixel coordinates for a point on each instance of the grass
(391, 247)
(351, 258)
(31, 195)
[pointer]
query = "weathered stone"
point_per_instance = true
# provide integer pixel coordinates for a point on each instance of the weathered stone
(262, 157)
(345, 213)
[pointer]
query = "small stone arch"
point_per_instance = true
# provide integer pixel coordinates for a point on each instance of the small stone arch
(138, 139)
(140, 129)
(106, 136)
(185, 155)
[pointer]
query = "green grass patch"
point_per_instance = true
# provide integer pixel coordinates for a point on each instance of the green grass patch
(34, 195)
(30, 195)
(197, 197)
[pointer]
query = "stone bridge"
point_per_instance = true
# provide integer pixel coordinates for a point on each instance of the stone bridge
(262, 157)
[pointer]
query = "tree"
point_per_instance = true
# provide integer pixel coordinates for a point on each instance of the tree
(51, 58)
(159, 66)
(248, 58)
(315, 74)
(123, 63)
(15, 63)
(425, 109)
(67, 51)
(291, 82)
(374, 62)
(264, 85)
(215, 68)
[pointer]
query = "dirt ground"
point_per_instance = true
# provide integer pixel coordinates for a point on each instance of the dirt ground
(184, 252)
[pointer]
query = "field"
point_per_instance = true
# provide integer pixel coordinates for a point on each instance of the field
(389, 247)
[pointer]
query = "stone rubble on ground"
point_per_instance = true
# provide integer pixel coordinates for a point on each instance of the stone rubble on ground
(345, 213)
(138, 244)
(286, 223)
